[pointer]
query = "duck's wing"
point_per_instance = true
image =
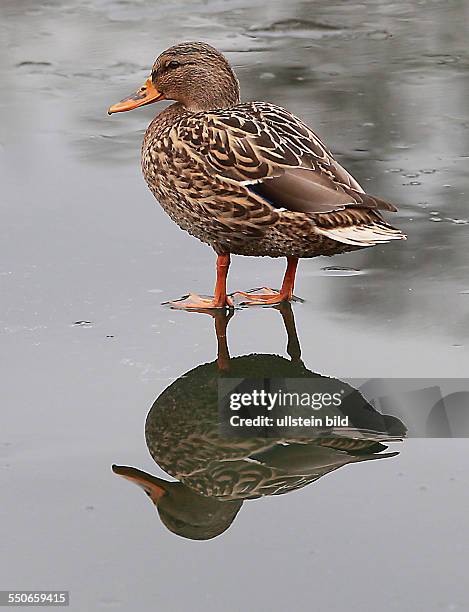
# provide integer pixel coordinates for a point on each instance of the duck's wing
(257, 164)
(279, 469)
(275, 155)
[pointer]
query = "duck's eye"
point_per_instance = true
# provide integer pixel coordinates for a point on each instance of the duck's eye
(172, 64)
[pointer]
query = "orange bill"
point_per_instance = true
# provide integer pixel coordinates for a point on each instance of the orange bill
(145, 95)
(153, 486)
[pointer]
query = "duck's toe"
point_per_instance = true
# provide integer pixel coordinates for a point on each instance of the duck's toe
(262, 297)
(193, 301)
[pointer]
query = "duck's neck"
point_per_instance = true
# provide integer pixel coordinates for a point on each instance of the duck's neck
(221, 93)
(165, 119)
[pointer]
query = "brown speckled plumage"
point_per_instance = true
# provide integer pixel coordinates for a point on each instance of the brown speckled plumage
(248, 179)
(200, 166)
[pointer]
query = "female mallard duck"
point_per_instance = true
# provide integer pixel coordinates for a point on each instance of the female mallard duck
(248, 179)
(216, 473)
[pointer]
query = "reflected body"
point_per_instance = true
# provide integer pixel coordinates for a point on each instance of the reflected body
(216, 473)
(247, 179)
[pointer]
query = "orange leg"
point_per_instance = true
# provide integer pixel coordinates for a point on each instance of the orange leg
(219, 300)
(270, 297)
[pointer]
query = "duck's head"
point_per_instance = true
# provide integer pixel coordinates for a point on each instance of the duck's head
(192, 73)
(182, 510)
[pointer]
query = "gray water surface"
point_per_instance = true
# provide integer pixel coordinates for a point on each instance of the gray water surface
(87, 257)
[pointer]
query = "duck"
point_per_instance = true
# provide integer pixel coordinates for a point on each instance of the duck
(215, 472)
(248, 178)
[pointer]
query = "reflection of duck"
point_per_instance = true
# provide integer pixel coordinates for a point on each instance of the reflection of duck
(248, 179)
(217, 473)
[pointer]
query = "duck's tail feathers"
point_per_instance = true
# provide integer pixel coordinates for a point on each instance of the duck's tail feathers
(363, 235)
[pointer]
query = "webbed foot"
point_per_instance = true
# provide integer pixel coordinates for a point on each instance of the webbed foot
(193, 301)
(263, 297)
